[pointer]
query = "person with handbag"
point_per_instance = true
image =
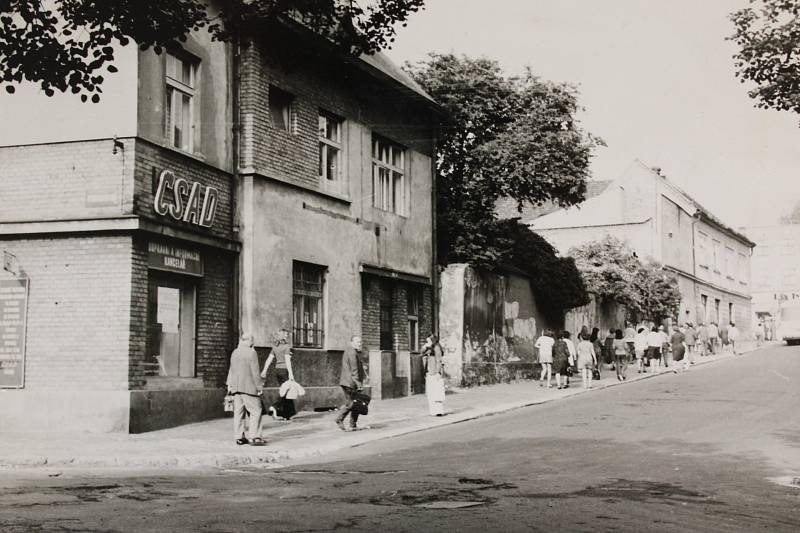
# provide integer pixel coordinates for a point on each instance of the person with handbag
(245, 386)
(351, 379)
(282, 355)
(434, 383)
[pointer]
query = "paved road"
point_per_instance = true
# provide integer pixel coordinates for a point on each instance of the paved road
(701, 451)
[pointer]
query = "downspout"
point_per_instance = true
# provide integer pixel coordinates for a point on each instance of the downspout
(236, 151)
(434, 258)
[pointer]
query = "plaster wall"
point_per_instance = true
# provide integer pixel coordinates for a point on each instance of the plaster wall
(637, 236)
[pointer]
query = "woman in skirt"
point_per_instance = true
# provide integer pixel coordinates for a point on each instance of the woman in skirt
(587, 360)
(561, 361)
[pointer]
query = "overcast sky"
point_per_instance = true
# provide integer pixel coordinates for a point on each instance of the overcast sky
(656, 79)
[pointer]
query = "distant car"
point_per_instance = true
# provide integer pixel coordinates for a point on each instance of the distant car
(789, 326)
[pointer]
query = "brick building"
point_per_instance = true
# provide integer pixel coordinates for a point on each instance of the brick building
(661, 222)
(214, 189)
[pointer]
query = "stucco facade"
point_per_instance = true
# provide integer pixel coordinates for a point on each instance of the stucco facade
(661, 222)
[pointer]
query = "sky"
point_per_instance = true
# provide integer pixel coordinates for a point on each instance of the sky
(656, 79)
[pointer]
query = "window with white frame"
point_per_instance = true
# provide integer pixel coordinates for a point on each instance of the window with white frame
(702, 249)
(281, 109)
(181, 79)
(741, 270)
(308, 285)
(388, 176)
(330, 151)
(717, 248)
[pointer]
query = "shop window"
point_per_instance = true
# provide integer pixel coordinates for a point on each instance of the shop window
(330, 152)
(388, 176)
(171, 327)
(308, 282)
(413, 304)
(281, 109)
(181, 80)
(386, 315)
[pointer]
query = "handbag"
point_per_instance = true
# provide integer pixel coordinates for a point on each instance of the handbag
(361, 403)
(227, 403)
(595, 374)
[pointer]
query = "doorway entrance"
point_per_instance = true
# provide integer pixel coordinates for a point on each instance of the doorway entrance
(171, 326)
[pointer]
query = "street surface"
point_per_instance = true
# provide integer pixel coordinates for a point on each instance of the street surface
(714, 449)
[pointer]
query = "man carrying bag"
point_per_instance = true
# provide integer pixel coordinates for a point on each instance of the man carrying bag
(351, 380)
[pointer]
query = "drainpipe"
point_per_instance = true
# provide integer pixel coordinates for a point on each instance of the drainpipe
(434, 258)
(236, 151)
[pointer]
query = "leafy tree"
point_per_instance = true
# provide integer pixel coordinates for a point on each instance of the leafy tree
(507, 137)
(793, 216)
(69, 44)
(768, 35)
(555, 280)
(612, 271)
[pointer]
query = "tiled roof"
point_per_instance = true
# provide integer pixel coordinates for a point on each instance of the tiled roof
(507, 207)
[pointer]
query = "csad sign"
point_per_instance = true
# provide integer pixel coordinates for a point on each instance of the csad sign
(185, 201)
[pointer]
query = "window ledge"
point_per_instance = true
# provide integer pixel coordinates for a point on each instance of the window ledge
(172, 383)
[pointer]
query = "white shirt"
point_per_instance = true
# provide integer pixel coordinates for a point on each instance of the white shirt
(640, 341)
(545, 345)
(571, 347)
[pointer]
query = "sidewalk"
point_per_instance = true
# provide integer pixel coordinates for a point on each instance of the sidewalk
(309, 434)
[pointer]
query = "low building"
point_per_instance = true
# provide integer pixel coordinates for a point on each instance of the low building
(214, 189)
(775, 271)
(661, 222)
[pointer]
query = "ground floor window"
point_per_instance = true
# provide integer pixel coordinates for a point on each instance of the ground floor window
(308, 283)
(170, 326)
(386, 316)
(730, 312)
(414, 303)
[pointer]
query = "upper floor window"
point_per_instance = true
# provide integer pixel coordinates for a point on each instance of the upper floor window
(181, 82)
(281, 109)
(330, 150)
(702, 249)
(717, 256)
(388, 176)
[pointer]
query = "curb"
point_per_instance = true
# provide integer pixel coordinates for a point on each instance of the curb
(273, 458)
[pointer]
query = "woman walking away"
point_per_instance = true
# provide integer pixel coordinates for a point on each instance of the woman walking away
(597, 345)
(733, 336)
(586, 361)
(545, 346)
(608, 348)
(678, 342)
(640, 348)
(573, 353)
(654, 343)
(620, 348)
(434, 383)
(560, 361)
(282, 355)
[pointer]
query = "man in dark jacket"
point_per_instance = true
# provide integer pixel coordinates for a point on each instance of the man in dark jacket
(352, 380)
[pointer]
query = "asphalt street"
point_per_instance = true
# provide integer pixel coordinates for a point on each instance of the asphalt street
(713, 449)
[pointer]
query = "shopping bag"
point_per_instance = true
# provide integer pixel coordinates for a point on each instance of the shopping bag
(361, 403)
(227, 403)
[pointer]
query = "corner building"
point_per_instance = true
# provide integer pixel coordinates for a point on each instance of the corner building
(200, 198)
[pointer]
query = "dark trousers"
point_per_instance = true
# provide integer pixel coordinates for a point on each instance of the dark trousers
(348, 407)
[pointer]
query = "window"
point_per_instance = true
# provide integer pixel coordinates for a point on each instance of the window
(308, 283)
(181, 81)
(388, 176)
(704, 303)
(742, 268)
(414, 299)
(716, 310)
(386, 325)
(702, 249)
(717, 256)
(280, 109)
(730, 262)
(730, 313)
(330, 150)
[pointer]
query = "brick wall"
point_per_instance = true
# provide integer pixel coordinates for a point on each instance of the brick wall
(82, 179)
(370, 313)
(151, 160)
(214, 317)
(317, 83)
(78, 311)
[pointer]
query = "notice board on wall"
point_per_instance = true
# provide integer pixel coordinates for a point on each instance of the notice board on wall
(13, 325)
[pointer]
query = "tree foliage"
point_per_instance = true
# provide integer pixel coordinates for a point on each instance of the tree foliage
(611, 270)
(768, 36)
(69, 45)
(507, 137)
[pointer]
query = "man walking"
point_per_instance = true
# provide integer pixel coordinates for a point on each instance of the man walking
(244, 383)
(713, 337)
(351, 380)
